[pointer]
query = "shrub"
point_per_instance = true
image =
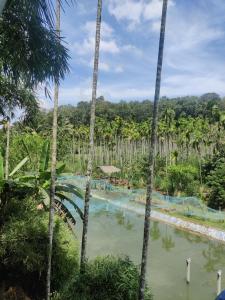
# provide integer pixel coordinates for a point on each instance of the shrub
(108, 278)
(216, 183)
(182, 179)
(23, 248)
(214, 177)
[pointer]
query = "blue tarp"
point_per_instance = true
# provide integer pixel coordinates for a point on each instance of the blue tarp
(221, 296)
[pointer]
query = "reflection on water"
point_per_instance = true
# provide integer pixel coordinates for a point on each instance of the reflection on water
(114, 230)
(214, 256)
(120, 217)
(155, 231)
(168, 242)
(192, 238)
(122, 220)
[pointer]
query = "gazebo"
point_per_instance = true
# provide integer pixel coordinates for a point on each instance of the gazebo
(109, 170)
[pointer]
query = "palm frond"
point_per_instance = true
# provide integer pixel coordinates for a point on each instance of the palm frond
(70, 188)
(63, 197)
(31, 50)
(64, 212)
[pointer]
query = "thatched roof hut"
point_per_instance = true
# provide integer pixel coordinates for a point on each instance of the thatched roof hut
(109, 170)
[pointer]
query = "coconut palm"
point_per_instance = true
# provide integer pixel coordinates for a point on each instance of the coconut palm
(53, 167)
(37, 55)
(151, 154)
(91, 141)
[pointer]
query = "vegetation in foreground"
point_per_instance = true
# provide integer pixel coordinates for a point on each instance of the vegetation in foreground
(24, 237)
(109, 277)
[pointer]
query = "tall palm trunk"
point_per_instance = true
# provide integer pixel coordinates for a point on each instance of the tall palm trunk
(53, 168)
(91, 141)
(7, 148)
(152, 154)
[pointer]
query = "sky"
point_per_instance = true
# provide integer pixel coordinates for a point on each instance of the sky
(194, 55)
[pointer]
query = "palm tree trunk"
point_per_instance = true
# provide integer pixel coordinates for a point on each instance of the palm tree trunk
(53, 168)
(152, 154)
(91, 141)
(7, 149)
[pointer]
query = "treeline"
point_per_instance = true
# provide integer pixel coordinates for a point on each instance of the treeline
(187, 126)
(136, 111)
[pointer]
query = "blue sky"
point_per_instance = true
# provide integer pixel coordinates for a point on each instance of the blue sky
(194, 61)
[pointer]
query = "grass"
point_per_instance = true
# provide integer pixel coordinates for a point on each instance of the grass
(208, 223)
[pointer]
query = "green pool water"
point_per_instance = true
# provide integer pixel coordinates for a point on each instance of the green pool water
(114, 230)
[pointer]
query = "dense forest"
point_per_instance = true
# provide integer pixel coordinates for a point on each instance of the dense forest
(190, 140)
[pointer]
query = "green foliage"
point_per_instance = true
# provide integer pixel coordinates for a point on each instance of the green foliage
(108, 278)
(182, 179)
(216, 183)
(30, 49)
(137, 172)
(214, 177)
(24, 142)
(38, 183)
(1, 167)
(44, 158)
(16, 95)
(24, 241)
(18, 167)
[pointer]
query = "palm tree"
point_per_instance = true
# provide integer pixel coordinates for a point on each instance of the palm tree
(151, 155)
(53, 167)
(37, 55)
(91, 141)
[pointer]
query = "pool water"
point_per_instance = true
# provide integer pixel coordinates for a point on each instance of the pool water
(113, 229)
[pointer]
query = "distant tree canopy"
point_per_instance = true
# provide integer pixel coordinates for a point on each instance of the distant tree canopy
(137, 111)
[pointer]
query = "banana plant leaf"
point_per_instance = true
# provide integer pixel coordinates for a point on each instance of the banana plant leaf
(26, 149)
(60, 167)
(45, 175)
(44, 158)
(19, 166)
(26, 178)
(44, 197)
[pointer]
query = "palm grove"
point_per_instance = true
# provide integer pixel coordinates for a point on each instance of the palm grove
(39, 256)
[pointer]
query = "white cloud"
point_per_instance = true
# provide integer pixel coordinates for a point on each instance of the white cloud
(134, 12)
(119, 69)
(109, 46)
(178, 85)
(108, 43)
(104, 67)
(130, 10)
(106, 29)
(156, 26)
(152, 10)
(132, 49)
